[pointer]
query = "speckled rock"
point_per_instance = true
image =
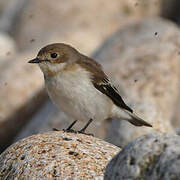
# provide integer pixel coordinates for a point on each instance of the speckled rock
(153, 156)
(56, 155)
(143, 60)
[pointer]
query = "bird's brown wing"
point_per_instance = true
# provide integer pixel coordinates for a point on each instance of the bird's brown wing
(106, 88)
(102, 83)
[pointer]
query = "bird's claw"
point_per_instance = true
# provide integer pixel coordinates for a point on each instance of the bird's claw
(88, 134)
(69, 129)
(55, 129)
(82, 131)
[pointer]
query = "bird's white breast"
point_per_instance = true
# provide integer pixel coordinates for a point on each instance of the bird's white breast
(74, 92)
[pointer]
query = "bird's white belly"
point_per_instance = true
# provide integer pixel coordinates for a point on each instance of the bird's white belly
(78, 98)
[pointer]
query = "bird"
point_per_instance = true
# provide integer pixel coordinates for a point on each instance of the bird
(78, 85)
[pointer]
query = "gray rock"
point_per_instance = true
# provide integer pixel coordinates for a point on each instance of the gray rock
(153, 156)
(56, 155)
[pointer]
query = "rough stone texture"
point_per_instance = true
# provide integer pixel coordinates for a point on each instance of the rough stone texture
(56, 155)
(21, 94)
(153, 156)
(143, 59)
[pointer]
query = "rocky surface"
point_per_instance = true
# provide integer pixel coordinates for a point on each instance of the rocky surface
(56, 155)
(153, 156)
(143, 60)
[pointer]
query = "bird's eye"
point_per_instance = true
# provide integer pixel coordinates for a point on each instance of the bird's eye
(53, 55)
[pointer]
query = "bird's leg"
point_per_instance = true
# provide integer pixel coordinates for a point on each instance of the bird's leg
(55, 129)
(85, 127)
(82, 131)
(70, 126)
(68, 129)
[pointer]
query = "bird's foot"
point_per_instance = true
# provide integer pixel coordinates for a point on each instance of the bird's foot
(88, 134)
(69, 129)
(82, 131)
(55, 129)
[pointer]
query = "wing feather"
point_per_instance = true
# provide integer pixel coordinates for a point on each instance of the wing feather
(101, 82)
(106, 88)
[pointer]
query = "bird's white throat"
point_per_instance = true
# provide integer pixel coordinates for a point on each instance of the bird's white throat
(47, 67)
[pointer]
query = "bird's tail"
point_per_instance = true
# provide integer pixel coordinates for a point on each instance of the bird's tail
(135, 120)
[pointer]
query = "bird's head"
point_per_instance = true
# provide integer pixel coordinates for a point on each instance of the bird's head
(55, 57)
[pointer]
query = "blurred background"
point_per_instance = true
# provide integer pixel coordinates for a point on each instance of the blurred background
(137, 42)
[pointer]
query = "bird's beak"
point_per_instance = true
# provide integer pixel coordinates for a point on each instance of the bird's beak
(36, 60)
